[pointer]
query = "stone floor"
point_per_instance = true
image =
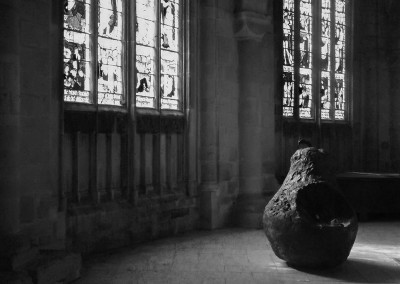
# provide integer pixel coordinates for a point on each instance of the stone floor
(243, 256)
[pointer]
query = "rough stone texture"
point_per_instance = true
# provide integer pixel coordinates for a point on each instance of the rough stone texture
(308, 222)
(113, 225)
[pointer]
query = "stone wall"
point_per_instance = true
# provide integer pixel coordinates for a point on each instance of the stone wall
(117, 224)
(375, 86)
(230, 144)
(30, 212)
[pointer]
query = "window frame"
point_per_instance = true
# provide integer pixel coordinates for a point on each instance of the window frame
(315, 66)
(128, 64)
(183, 65)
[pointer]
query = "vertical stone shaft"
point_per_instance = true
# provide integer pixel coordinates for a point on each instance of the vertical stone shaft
(256, 115)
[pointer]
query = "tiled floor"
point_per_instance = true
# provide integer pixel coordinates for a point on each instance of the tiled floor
(244, 256)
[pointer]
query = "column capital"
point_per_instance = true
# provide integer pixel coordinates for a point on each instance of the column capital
(251, 25)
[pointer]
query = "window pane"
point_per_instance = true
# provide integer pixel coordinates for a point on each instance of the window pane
(77, 15)
(170, 82)
(76, 67)
(305, 93)
(146, 9)
(146, 53)
(326, 35)
(109, 52)
(169, 62)
(170, 92)
(305, 33)
(325, 60)
(288, 52)
(114, 5)
(325, 95)
(340, 99)
(288, 91)
(110, 23)
(169, 25)
(305, 87)
(340, 35)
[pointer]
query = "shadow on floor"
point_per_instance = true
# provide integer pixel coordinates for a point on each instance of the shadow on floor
(360, 271)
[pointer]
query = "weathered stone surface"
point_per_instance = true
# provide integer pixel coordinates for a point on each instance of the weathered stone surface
(308, 222)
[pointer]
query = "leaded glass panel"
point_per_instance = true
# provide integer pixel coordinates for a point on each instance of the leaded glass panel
(146, 10)
(325, 59)
(170, 13)
(326, 35)
(325, 95)
(145, 69)
(169, 25)
(110, 23)
(288, 91)
(305, 33)
(76, 67)
(288, 57)
(169, 80)
(340, 45)
(77, 15)
(109, 53)
(340, 99)
(305, 93)
(109, 71)
(170, 55)
(146, 53)
(305, 84)
(329, 67)
(169, 92)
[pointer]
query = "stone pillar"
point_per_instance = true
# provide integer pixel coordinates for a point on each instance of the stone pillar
(218, 112)
(208, 115)
(30, 98)
(256, 111)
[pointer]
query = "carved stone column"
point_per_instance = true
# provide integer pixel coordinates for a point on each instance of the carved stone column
(256, 111)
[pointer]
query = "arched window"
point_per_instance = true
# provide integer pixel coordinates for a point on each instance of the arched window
(314, 59)
(99, 67)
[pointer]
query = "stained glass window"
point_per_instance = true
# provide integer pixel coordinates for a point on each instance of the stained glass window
(318, 85)
(325, 60)
(158, 54)
(340, 44)
(77, 59)
(109, 53)
(288, 58)
(80, 70)
(305, 87)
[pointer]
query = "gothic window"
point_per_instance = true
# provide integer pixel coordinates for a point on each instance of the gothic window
(159, 54)
(314, 59)
(93, 75)
(96, 59)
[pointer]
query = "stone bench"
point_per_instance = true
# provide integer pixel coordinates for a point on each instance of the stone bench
(371, 193)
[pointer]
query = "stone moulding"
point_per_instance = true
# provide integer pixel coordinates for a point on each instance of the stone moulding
(251, 25)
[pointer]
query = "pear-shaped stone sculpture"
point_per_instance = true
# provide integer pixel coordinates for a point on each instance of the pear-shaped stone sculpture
(308, 222)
